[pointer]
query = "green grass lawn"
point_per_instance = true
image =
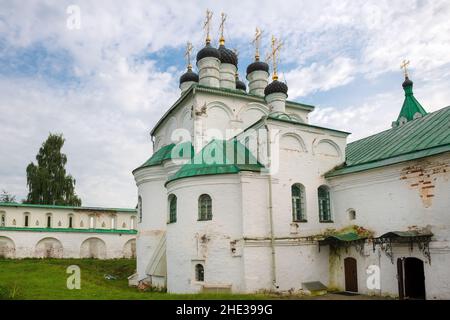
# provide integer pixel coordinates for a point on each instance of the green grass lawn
(40, 279)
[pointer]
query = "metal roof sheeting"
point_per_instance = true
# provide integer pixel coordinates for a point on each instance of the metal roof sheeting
(415, 139)
(219, 157)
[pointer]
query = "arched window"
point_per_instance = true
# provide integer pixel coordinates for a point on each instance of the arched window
(172, 208)
(140, 208)
(70, 221)
(204, 207)
(199, 273)
(2, 219)
(133, 223)
(113, 222)
(91, 222)
(324, 204)
(26, 219)
(49, 220)
(298, 203)
(351, 214)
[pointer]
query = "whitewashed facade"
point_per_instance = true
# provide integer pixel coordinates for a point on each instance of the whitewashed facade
(35, 231)
(253, 241)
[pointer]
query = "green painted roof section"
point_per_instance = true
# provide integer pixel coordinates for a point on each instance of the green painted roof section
(114, 231)
(219, 157)
(169, 152)
(44, 206)
(411, 107)
(407, 234)
(421, 137)
(345, 237)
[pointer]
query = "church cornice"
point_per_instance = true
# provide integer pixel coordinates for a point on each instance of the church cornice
(225, 93)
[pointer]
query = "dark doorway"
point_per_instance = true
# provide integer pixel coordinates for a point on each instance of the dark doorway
(411, 279)
(351, 275)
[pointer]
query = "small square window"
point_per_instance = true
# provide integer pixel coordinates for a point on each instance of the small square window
(351, 214)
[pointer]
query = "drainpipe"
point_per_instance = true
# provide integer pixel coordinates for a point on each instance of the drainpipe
(272, 236)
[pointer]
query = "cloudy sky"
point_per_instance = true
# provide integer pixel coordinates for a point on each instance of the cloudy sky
(105, 84)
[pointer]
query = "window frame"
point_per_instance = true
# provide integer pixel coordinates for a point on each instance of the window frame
(92, 221)
(48, 218)
(173, 200)
(302, 203)
(351, 214)
(113, 221)
(328, 218)
(26, 220)
(70, 225)
(2, 219)
(199, 272)
(133, 222)
(208, 215)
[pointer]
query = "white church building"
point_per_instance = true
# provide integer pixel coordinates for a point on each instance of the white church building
(243, 194)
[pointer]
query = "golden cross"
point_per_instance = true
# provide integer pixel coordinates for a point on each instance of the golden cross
(404, 66)
(276, 46)
(207, 25)
(187, 54)
(221, 27)
(256, 41)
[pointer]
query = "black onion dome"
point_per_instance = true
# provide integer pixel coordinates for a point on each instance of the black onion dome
(227, 56)
(189, 76)
(257, 66)
(276, 86)
(208, 51)
(407, 83)
(240, 85)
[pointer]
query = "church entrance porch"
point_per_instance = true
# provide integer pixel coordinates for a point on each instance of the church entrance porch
(411, 278)
(351, 275)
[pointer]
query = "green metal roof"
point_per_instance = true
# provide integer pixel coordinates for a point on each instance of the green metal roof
(411, 107)
(415, 139)
(406, 234)
(44, 206)
(68, 230)
(219, 157)
(344, 237)
(168, 152)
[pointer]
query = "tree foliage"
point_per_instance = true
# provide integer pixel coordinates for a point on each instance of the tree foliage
(47, 181)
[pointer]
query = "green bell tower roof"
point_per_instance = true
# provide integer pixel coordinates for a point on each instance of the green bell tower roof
(411, 108)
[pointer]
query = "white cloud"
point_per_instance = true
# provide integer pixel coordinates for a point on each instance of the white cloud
(313, 78)
(107, 115)
(373, 115)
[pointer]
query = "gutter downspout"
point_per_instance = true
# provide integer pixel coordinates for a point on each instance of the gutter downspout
(272, 236)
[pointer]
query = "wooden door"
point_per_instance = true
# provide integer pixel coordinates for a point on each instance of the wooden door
(351, 275)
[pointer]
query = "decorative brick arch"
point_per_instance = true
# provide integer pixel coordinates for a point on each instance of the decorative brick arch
(300, 144)
(222, 106)
(93, 248)
(129, 249)
(7, 247)
(326, 147)
(49, 248)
